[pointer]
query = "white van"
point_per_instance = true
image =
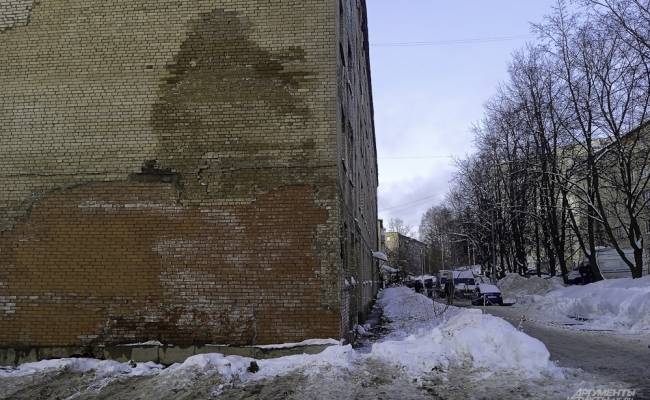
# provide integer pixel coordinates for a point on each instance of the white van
(611, 264)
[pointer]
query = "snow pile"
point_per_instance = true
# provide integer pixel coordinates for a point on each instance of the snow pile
(231, 368)
(235, 368)
(464, 337)
(515, 286)
(621, 305)
(406, 311)
(421, 339)
(101, 368)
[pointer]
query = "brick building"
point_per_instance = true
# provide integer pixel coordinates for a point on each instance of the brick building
(406, 253)
(184, 171)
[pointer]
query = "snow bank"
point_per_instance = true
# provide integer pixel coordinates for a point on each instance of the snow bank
(515, 286)
(101, 368)
(421, 339)
(233, 368)
(464, 337)
(406, 311)
(621, 305)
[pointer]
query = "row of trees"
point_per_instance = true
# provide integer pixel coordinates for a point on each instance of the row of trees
(562, 161)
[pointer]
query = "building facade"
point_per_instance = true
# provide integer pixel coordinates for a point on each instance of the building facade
(407, 254)
(185, 171)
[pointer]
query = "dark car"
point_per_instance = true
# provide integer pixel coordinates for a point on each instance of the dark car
(415, 284)
(441, 286)
(429, 284)
(487, 295)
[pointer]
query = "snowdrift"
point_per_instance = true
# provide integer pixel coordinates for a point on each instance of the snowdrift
(101, 368)
(517, 287)
(421, 340)
(621, 305)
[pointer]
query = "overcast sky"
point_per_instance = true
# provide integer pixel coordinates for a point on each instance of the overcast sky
(428, 96)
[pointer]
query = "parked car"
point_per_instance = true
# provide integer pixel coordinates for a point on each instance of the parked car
(429, 285)
(442, 282)
(533, 272)
(414, 283)
(464, 283)
(487, 295)
(575, 278)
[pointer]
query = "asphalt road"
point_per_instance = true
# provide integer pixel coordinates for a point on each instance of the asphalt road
(612, 357)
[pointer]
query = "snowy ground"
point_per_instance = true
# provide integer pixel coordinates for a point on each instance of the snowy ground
(620, 306)
(611, 357)
(426, 352)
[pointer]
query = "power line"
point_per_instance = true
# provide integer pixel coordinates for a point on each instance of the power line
(414, 157)
(414, 202)
(452, 42)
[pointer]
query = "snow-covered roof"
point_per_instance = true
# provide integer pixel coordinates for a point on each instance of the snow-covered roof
(389, 269)
(380, 256)
(488, 288)
(465, 274)
(422, 277)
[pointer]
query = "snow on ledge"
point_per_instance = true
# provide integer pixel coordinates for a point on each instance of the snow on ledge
(147, 343)
(304, 343)
(309, 342)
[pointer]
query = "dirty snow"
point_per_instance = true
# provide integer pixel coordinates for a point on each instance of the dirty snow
(425, 350)
(235, 368)
(419, 340)
(101, 368)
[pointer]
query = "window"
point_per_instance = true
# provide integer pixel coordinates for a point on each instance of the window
(618, 232)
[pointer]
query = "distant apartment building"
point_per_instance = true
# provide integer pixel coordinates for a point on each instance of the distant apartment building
(381, 232)
(187, 172)
(615, 194)
(407, 254)
(613, 199)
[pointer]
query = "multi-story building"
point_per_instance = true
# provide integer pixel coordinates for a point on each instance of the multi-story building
(185, 171)
(408, 254)
(615, 188)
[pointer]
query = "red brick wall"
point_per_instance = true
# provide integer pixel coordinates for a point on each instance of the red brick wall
(122, 262)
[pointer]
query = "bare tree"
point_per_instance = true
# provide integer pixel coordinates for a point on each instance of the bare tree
(629, 18)
(562, 166)
(398, 225)
(623, 102)
(569, 41)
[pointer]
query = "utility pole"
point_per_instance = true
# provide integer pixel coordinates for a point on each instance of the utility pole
(442, 253)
